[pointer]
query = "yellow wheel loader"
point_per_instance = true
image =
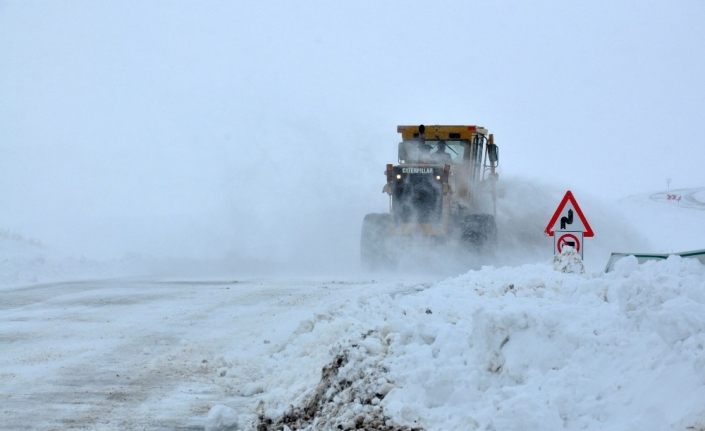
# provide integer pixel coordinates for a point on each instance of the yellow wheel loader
(443, 190)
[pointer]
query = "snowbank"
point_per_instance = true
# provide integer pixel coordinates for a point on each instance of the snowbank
(25, 261)
(527, 347)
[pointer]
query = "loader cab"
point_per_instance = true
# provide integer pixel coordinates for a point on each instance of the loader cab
(432, 151)
(469, 150)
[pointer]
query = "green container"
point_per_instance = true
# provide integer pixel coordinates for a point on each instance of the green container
(643, 257)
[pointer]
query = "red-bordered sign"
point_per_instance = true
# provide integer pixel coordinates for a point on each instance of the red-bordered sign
(569, 239)
(587, 233)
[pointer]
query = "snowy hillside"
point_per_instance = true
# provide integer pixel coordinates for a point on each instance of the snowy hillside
(672, 221)
(683, 198)
(25, 261)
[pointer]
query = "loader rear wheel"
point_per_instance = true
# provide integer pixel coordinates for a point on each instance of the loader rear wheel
(373, 241)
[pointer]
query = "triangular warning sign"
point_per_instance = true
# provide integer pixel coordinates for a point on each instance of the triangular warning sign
(565, 213)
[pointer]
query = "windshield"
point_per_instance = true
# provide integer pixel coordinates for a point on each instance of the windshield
(431, 151)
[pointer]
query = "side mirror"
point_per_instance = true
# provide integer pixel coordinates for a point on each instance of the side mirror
(493, 153)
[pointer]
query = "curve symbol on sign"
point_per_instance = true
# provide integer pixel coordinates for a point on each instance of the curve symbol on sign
(567, 220)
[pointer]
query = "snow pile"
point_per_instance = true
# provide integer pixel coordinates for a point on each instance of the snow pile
(526, 348)
(348, 396)
(568, 261)
(221, 418)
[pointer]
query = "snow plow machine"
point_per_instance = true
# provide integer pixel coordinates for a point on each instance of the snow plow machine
(441, 192)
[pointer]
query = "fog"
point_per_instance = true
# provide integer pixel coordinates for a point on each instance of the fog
(259, 131)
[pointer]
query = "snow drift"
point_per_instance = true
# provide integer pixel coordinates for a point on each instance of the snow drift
(527, 348)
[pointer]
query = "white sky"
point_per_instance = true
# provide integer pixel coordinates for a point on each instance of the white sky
(205, 127)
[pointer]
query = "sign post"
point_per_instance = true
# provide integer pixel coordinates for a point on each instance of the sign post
(568, 226)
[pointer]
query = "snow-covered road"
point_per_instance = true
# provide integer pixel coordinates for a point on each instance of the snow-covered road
(126, 354)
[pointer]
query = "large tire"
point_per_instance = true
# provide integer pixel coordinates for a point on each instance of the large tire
(479, 231)
(373, 241)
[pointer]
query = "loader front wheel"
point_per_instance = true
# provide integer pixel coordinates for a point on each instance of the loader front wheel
(479, 231)
(373, 241)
